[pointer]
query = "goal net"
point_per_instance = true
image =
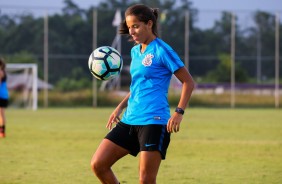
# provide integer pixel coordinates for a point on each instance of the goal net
(22, 84)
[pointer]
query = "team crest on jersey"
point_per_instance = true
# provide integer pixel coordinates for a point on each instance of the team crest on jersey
(147, 61)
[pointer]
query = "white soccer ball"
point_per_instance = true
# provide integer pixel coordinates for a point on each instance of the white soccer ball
(105, 63)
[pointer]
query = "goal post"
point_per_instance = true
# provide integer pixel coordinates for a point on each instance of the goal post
(24, 77)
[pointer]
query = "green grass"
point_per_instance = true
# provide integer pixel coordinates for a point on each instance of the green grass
(214, 146)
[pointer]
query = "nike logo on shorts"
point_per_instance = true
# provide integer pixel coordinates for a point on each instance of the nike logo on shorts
(149, 145)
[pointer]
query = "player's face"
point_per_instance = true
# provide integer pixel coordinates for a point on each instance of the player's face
(139, 31)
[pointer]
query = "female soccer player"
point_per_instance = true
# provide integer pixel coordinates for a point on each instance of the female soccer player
(146, 125)
(4, 96)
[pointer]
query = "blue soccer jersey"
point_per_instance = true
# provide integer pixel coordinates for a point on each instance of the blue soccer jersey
(3, 89)
(151, 72)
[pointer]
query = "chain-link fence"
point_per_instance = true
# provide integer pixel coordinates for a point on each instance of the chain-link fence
(256, 42)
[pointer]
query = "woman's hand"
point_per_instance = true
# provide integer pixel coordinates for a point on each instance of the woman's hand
(114, 118)
(173, 124)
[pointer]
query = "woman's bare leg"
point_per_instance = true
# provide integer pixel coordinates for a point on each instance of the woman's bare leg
(148, 167)
(2, 122)
(105, 156)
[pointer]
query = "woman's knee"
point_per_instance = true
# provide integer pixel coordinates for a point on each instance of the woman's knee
(147, 178)
(105, 156)
(97, 165)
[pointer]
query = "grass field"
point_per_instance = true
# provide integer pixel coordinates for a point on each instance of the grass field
(214, 146)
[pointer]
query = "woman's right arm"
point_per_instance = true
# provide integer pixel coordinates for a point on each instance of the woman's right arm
(114, 117)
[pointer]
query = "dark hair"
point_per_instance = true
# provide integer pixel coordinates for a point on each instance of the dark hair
(2, 64)
(143, 14)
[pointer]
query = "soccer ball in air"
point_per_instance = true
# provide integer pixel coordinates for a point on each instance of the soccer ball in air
(105, 63)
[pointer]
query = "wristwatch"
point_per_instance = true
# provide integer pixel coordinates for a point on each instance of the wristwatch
(179, 110)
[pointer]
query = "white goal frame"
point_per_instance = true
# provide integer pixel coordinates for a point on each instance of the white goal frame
(34, 83)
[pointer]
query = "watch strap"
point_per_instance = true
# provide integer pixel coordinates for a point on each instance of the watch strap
(179, 110)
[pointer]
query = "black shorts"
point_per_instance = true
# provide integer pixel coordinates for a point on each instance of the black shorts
(3, 102)
(137, 138)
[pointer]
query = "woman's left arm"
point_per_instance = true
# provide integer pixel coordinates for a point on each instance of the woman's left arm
(187, 87)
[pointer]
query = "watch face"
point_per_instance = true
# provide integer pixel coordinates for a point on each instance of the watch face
(179, 110)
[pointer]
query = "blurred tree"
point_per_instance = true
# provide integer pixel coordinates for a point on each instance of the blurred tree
(222, 29)
(23, 57)
(257, 42)
(208, 44)
(223, 70)
(20, 33)
(75, 82)
(265, 23)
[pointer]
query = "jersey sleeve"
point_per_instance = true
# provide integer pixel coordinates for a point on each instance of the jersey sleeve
(171, 60)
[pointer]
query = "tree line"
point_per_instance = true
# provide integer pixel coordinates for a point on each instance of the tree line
(70, 41)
